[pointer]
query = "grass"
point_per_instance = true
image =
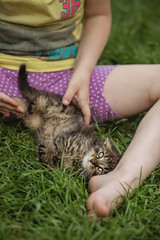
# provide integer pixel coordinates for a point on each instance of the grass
(41, 204)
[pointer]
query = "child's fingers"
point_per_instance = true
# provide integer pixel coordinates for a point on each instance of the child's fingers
(9, 108)
(84, 106)
(80, 98)
(5, 99)
(19, 109)
(67, 98)
(6, 114)
(70, 93)
(87, 115)
(7, 105)
(4, 110)
(86, 112)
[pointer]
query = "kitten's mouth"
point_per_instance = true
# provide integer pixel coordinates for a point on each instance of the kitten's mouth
(98, 169)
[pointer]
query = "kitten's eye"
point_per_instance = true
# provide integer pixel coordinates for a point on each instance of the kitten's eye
(100, 155)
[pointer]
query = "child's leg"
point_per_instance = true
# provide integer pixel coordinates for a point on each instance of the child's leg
(130, 90)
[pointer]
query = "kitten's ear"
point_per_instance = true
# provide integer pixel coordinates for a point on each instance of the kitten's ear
(107, 143)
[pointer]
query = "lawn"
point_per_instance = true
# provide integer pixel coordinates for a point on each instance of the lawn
(41, 204)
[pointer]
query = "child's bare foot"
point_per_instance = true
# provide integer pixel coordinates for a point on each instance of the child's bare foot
(106, 191)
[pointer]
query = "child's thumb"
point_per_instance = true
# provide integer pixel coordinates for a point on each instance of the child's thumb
(67, 98)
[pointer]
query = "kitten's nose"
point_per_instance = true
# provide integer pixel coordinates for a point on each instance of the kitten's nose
(93, 161)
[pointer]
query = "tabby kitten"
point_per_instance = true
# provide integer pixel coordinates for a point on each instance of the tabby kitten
(63, 137)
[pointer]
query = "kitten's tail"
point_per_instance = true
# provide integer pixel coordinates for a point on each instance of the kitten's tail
(27, 91)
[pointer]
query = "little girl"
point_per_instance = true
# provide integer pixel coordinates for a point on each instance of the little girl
(61, 56)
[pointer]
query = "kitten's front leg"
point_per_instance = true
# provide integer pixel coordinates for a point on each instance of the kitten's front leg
(41, 152)
(57, 144)
(48, 156)
(30, 108)
(45, 154)
(49, 145)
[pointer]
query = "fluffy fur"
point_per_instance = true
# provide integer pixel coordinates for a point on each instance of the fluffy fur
(63, 135)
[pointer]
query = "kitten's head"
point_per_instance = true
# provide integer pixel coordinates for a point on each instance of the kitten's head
(100, 160)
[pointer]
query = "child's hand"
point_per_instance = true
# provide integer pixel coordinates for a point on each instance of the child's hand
(7, 105)
(78, 93)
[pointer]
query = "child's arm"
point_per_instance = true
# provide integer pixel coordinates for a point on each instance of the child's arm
(95, 35)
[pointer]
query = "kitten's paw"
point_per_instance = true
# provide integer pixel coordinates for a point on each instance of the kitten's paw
(30, 107)
(41, 152)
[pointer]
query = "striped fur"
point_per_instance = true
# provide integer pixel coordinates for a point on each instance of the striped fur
(62, 133)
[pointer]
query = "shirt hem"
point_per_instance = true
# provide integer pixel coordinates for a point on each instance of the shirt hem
(35, 64)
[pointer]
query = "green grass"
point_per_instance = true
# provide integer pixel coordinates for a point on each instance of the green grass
(41, 204)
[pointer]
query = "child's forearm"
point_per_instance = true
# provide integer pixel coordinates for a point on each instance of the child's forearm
(95, 34)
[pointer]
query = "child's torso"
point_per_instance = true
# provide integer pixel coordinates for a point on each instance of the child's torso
(48, 29)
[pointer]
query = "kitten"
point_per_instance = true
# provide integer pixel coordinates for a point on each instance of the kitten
(63, 137)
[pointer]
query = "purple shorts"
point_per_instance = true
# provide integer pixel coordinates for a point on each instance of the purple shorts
(57, 82)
